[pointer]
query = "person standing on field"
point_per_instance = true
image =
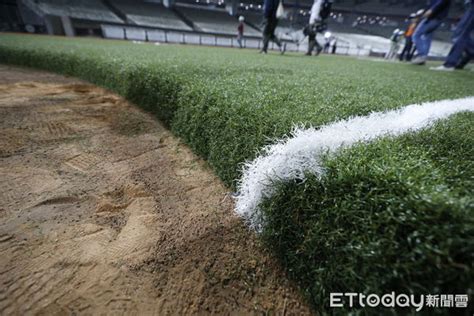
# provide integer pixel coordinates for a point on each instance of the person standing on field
(333, 45)
(408, 49)
(394, 45)
(317, 24)
(311, 31)
(430, 22)
(270, 23)
(463, 48)
(240, 31)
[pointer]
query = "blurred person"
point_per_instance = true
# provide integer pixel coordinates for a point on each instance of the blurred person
(240, 31)
(326, 45)
(462, 50)
(270, 8)
(409, 49)
(431, 20)
(465, 59)
(394, 44)
(311, 32)
(320, 11)
(334, 45)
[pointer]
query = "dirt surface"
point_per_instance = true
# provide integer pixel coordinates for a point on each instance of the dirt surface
(104, 212)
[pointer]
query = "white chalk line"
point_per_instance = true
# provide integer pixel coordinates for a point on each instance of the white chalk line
(302, 152)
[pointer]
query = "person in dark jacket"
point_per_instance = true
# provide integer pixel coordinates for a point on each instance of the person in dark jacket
(463, 48)
(334, 45)
(431, 20)
(270, 23)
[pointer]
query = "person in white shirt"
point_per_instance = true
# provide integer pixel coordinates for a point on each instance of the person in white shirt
(317, 23)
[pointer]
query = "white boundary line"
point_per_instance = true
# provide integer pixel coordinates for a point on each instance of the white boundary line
(289, 158)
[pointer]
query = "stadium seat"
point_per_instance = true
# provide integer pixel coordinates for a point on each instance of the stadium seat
(92, 10)
(151, 14)
(214, 21)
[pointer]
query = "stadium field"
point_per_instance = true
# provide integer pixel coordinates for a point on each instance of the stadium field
(391, 214)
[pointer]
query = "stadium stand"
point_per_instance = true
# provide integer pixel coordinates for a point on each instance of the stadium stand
(390, 8)
(151, 14)
(252, 18)
(387, 9)
(214, 21)
(285, 29)
(93, 10)
(347, 29)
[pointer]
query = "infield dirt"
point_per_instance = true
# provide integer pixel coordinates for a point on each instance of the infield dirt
(103, 211)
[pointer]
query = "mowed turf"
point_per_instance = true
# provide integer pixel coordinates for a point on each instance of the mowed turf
(396, 214)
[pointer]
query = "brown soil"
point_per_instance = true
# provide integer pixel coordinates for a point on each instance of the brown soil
(104, 212)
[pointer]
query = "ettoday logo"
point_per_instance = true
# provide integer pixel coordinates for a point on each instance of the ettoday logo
(393, 300)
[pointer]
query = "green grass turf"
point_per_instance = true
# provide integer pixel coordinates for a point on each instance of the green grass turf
(395, 214)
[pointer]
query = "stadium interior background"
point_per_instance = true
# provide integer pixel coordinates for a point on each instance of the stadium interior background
(362, 27)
